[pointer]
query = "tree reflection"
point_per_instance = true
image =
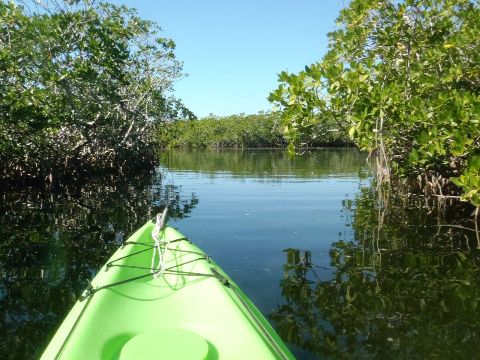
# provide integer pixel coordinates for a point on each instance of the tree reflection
(54, 241)
(404, 288)
(269, 163)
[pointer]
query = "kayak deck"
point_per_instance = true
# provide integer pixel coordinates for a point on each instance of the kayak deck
(193, 311)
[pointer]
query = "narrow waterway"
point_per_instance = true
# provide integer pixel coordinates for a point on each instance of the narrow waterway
(340, 270)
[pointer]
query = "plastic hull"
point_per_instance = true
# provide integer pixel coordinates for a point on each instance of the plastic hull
(193, 311)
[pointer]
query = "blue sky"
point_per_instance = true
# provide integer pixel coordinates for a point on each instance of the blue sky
(233, 50)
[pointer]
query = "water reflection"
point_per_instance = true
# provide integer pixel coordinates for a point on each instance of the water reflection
(269, 164)
(365, 274)
(404, 288)
(54, 241)
(254, 203)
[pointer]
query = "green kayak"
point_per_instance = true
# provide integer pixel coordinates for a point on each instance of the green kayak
(160, 297)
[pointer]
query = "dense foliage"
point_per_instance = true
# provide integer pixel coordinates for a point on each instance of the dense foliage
(82, 86)
(236, 131)
(403, 79)
(263, 130)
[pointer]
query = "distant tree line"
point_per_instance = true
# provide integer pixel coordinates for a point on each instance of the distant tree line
(264, 129)
(83, 86)
(402, 79)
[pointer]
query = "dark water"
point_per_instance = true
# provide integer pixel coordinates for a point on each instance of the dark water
(341, 270)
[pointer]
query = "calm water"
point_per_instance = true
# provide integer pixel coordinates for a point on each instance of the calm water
(340, 270)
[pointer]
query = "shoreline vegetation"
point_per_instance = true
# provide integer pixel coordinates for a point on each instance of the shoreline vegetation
(402, 80)
(87, 88)
(83, 86)
(263, 130)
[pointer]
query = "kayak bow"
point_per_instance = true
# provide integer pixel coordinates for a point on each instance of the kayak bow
(162, 297)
